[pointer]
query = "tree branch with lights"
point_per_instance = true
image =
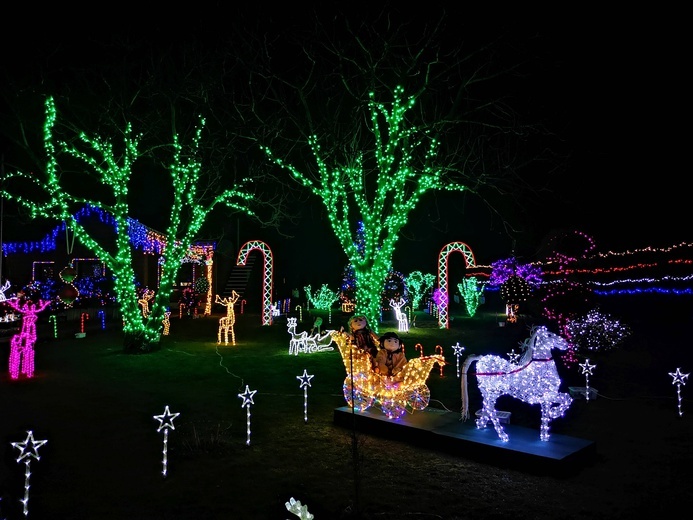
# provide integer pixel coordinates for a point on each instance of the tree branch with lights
(50, 196)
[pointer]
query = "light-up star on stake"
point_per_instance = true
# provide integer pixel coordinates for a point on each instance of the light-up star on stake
(513, 356)
(458, 351)
(166, 422)
(305, 383)
(247, 397)
(587, 370)
(679, 379)
(28, 449)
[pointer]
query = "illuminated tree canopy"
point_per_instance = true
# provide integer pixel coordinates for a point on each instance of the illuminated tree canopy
(373, 122)
(384, 208)
(48, 195)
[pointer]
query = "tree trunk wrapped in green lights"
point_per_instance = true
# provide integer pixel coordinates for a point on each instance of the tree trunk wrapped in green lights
(50, 198)
(406, 163)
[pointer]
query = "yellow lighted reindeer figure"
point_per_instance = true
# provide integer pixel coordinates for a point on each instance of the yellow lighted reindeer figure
(226, 323)
(395, 395)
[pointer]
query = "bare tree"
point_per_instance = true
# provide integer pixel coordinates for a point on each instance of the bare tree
(376, 116)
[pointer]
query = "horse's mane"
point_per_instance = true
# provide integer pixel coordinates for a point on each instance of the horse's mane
(528, 346)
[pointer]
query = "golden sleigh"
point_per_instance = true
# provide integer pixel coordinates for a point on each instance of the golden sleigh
(363, 388)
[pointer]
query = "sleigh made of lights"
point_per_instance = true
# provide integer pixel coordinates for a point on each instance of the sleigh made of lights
(396, 395)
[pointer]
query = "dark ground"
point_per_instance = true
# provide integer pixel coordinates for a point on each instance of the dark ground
(95, 407)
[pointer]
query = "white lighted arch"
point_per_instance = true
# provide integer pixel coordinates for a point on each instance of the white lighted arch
(267, 280)
(443, 276)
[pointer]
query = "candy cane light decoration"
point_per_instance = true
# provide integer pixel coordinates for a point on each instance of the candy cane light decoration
(268, 264)
(443, 276)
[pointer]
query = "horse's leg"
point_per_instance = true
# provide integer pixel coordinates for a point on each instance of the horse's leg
(559, 407)
(489, 414)
(545, 421)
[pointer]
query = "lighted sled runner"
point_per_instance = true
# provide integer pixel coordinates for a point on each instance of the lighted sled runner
(396, 395)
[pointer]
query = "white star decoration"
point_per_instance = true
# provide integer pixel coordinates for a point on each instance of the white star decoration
(679, 378)
(586, 367)
(166, 419)
(304, 379)
(247, 396)
(513, 356)
(29, 448)
(457, 349)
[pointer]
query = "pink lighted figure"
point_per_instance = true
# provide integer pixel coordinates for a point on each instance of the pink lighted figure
(22, 344)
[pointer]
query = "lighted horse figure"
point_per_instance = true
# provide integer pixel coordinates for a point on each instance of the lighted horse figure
(22, 344)
(227, 322)
(533, 379)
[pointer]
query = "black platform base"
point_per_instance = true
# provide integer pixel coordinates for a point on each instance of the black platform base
(441, 430)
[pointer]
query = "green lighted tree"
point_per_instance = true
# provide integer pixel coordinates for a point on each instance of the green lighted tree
(323, 297)
(471, 290)
(384, 210)
(373, 121)
(52, 198)
(418, 285)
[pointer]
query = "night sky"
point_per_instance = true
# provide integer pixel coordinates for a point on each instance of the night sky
(610, 85)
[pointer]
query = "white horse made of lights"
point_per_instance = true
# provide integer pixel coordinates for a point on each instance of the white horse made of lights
(533, 379)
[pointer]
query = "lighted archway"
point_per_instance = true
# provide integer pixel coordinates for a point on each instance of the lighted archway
(267, 280)
(443, 276)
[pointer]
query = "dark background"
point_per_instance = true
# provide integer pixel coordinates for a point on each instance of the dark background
(609, 85)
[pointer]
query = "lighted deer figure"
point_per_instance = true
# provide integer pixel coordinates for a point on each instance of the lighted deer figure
(226, 323)
(22, 344)
(147, 296)
(3, 289)
(403, 323)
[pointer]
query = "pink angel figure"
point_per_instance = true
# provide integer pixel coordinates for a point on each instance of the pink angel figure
(22, 344)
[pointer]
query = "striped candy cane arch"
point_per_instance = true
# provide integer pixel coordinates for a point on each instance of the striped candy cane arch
(267, 281)
(443, 276)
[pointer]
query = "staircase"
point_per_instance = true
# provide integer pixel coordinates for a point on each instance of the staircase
(239, 278)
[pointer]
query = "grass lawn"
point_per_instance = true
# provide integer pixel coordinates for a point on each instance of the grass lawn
(103, 457)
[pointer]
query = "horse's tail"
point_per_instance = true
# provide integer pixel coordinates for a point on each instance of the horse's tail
(465, 395)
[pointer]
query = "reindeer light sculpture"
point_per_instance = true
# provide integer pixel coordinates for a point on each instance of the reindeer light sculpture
(227, 322)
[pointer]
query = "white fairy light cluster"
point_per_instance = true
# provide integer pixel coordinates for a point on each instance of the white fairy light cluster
(596, 331)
